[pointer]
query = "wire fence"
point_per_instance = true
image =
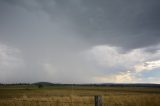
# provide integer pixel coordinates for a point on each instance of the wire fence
(69, 102)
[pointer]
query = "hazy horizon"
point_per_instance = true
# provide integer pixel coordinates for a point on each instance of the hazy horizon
(80, 41)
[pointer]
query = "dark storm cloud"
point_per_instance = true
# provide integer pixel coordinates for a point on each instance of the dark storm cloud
(129, 24)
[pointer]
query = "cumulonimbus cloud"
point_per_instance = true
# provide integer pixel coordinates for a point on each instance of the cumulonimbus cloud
(79, 40)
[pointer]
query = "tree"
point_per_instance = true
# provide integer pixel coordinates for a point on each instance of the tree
(40, 85)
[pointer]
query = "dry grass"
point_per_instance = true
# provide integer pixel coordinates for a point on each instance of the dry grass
(49, 101)
(127, 100)
(80, 97)
(133, 100)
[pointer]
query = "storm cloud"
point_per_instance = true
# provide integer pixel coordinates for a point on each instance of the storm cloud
(79, 41)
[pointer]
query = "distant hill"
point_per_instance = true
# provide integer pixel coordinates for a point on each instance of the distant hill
(102, 84)
(43, 83)
(128, 85)
(150, 85)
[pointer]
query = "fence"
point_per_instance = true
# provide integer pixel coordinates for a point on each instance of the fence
(98, 101)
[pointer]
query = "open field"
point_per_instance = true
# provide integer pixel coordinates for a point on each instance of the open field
(78, 96)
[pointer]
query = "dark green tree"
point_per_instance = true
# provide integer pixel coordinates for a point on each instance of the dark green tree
(40, 86)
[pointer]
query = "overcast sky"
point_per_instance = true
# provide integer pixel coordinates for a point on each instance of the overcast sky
(80, 41)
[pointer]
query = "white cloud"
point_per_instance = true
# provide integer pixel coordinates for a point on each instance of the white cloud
(108, 56)
(9, 57)
(10, 62)
(117, 78)
(147, 66)
(122, 67)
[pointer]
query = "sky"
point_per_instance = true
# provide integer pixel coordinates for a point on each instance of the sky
(80, 41)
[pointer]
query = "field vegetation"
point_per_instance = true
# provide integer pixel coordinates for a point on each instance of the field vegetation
(78, 96)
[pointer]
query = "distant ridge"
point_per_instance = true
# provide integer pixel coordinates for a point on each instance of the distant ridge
(43, 83)
(149, 85)
(102, 84)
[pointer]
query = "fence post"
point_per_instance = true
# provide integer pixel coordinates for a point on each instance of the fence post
(98, 100)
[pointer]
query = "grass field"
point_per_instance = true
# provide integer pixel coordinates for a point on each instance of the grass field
(78, 96)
